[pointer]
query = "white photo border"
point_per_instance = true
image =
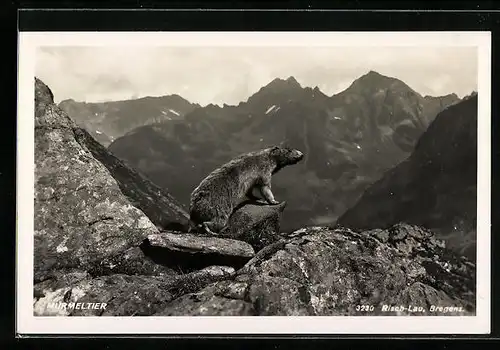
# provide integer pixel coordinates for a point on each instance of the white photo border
(27, 323)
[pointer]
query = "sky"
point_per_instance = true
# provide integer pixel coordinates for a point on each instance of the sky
(230, 75)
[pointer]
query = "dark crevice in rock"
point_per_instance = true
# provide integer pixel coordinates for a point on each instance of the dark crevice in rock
(107, 302)
(67, 296)
(304, 282)
(263, 254)
(53, 197)
(175, 227)
(186, 284)
(52, 127)
(106, 218)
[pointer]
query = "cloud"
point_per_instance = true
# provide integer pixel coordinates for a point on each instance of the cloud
(231, 74)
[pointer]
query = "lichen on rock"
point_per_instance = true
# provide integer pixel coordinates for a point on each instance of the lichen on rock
(327, 271)
(81, 216)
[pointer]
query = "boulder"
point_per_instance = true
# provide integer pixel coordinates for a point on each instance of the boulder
(255, 223)
(81, 217)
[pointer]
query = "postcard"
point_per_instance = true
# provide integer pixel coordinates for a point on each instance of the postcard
(253, 183)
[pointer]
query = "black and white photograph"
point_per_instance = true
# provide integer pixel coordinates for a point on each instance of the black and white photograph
(331, 179)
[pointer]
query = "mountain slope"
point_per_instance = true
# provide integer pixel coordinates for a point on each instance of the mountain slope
(349, 140)
(435, 187)
(106, 121)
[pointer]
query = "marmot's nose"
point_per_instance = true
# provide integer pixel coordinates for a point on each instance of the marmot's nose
(300, 155)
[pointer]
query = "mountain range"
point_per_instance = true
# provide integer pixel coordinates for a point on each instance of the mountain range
(349, 139)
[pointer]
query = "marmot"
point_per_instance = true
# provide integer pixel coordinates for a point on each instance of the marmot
(215, 198)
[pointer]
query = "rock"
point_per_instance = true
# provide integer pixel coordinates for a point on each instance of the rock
(133, 261)
(189, 252)
(325, 271)
(82, 218)
(118, 294)
(255, 223)
(198, 244)
(215, 300)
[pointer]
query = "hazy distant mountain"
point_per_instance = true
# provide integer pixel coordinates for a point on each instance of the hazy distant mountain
(106, 121)
(436, 187)
(349, 140)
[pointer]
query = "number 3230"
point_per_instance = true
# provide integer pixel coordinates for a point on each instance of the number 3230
(365, 308)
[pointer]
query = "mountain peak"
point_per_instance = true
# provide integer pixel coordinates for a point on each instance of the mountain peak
(374, 76)
(471, 95)
(283, 83)
(292, 80)
(279, 90)
(375, 81)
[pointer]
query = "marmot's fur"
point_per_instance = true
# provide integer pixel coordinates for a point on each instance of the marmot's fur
(215, 198)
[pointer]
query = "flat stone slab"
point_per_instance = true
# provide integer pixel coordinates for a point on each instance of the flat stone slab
(195, 244)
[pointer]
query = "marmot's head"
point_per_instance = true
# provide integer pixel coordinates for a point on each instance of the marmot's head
(285, 155)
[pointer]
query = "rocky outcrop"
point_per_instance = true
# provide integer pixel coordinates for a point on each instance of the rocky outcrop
(403, 270)
(324, 271)
(81, 216)
(435, 187)
(87, 200)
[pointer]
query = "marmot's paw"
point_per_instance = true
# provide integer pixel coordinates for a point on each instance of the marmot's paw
(275, 202)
